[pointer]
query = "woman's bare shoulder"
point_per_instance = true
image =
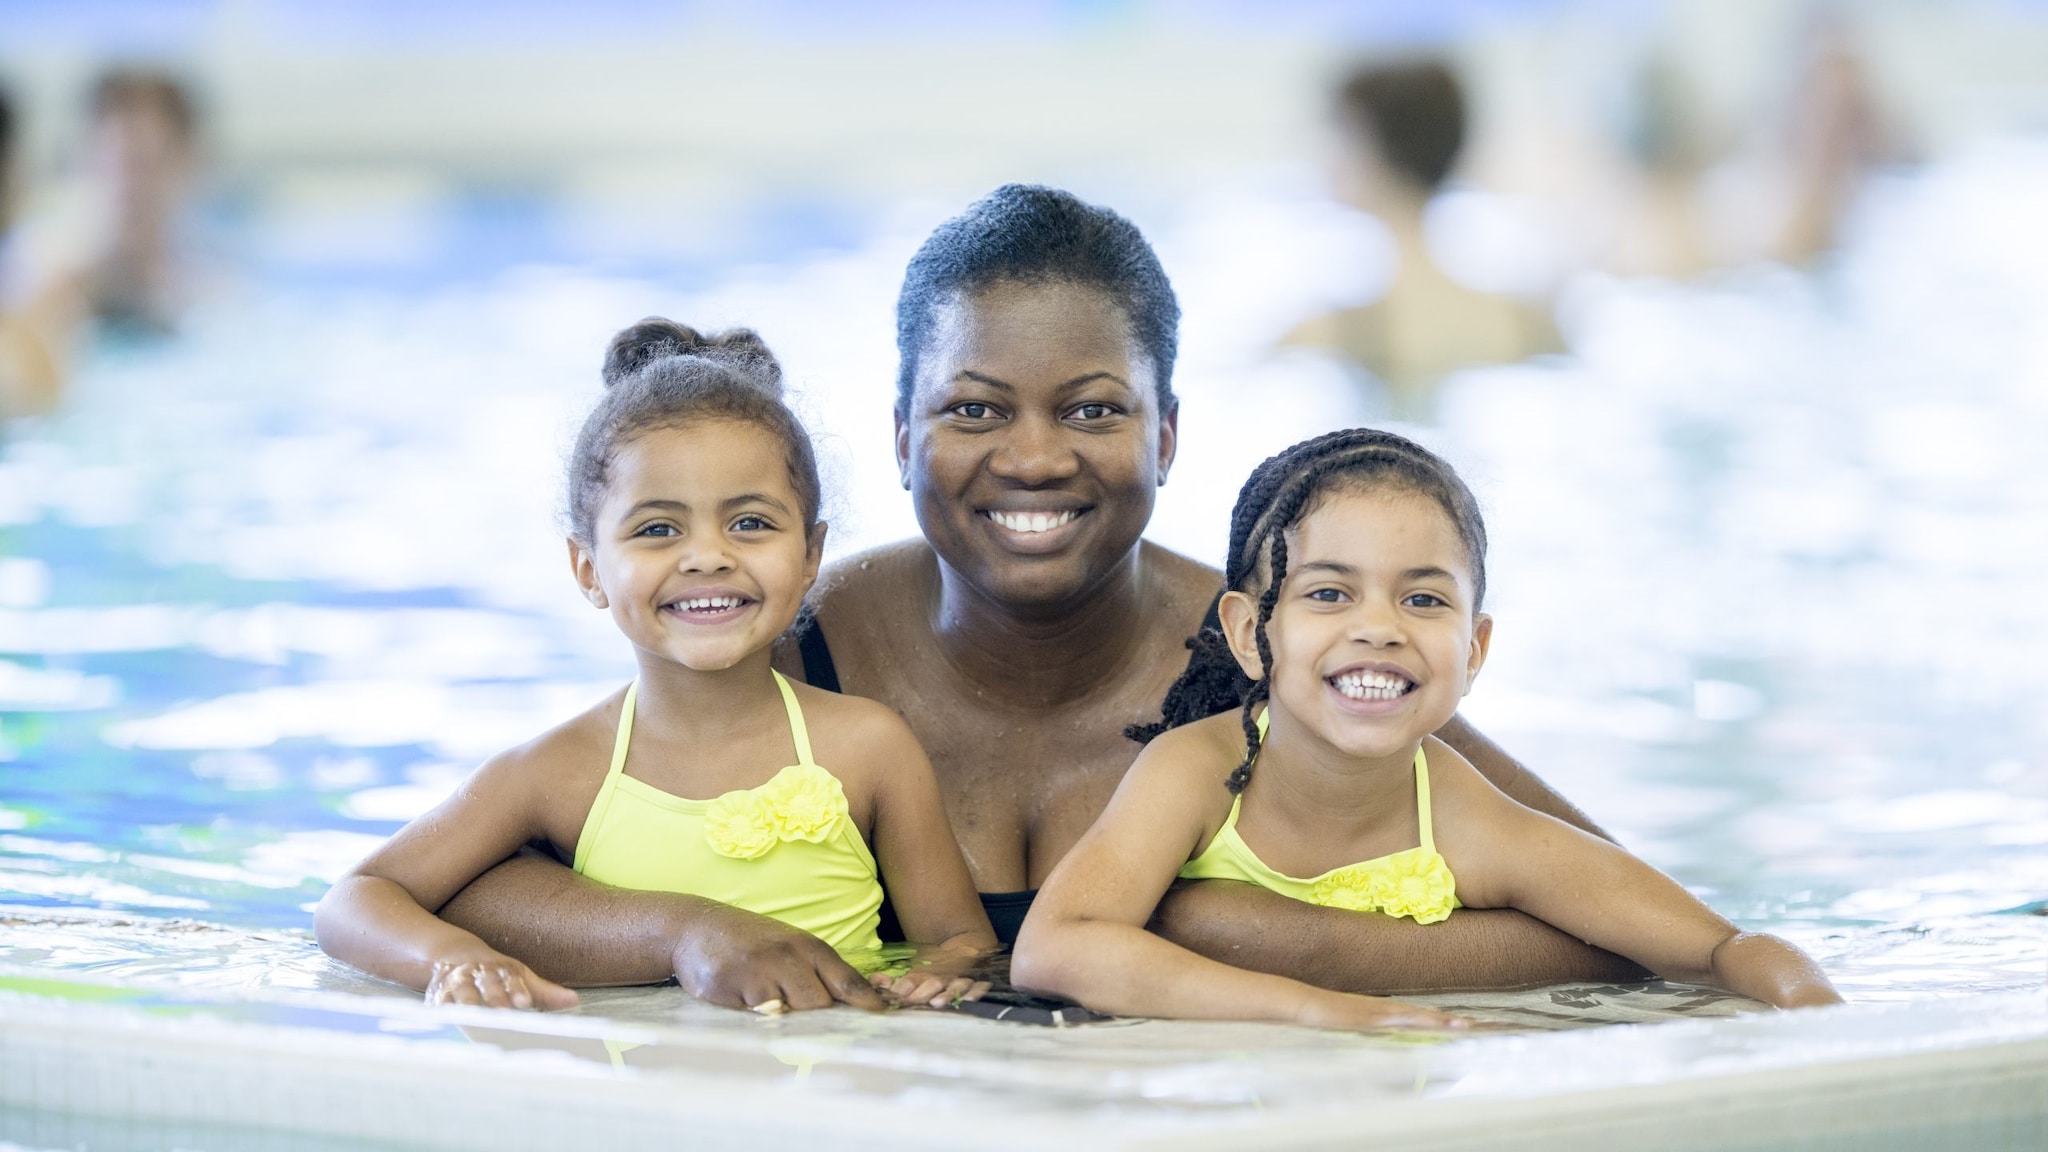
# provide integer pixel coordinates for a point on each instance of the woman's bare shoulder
(857, 581)
(1182, 586)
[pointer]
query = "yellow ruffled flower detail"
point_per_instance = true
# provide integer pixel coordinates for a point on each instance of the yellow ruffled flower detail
(802, 802)
(739, 825)
(1415, 884)
(805, 803)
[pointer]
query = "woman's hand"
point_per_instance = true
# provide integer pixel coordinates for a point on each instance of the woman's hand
(736, 959)
(1352, 1012)
(494, 980)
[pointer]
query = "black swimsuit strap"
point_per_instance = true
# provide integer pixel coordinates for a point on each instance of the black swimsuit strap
(819, 671)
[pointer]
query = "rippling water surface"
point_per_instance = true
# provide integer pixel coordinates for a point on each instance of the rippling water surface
(1768, 558)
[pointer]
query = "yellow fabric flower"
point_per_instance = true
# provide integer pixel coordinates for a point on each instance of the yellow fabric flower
(739, 825)
(1415, 884)
(805, 803)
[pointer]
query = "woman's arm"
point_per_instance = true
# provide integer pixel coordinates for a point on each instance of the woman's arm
(1603, 895)
(1507, 774)
(1249, 927)
(1085, 936)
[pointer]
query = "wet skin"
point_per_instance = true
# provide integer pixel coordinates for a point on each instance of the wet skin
(1018, 639)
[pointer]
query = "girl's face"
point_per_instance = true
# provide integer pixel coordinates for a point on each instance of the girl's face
(1374, 636)
(699, 549)
(1034, 444)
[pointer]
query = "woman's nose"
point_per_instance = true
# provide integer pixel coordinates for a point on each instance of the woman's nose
(1033, 451)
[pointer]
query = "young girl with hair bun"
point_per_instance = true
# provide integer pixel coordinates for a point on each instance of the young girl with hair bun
(1295, 754)
(694, 521)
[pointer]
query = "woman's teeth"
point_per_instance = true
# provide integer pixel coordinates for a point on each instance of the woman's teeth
(1371, 685)
(711, 603)
(1032, 521)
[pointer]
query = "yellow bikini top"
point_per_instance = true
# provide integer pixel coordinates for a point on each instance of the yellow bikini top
(1414, 882)
(787, 848)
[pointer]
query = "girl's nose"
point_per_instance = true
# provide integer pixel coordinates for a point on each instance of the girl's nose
(1377, 624)
(708, 556)
(1033, 452)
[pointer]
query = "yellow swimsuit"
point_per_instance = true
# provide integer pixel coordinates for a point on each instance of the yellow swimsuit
(787, 849)
(1414, 882)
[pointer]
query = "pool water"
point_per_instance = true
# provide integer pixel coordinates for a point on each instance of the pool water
(1767, 569)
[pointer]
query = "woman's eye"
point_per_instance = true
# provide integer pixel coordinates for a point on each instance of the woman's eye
(1094, 412)
(973, 410)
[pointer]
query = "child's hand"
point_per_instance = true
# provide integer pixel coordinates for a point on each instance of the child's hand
(493, 980)
(928, 989)
(1366, 1013)
(938, 976)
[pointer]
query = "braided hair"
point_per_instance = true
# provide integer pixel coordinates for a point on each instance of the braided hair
(1280, 492)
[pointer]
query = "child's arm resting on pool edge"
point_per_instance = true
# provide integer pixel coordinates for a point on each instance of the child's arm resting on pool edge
(1085, 936)
(1608, 898)
(380, 917)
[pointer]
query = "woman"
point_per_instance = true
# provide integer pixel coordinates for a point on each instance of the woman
(1035, 420)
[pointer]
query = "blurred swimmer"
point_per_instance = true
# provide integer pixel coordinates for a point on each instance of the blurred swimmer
(693, 505)
(1404, 125)
(141, 160)
(38, 314)
(1295, 754)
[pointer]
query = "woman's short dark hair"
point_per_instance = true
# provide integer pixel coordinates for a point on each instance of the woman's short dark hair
(1035, 235)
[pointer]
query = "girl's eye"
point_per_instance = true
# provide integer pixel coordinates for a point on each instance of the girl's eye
(658, 529)
(751, 524)
(1426, 600)
(1327, 595)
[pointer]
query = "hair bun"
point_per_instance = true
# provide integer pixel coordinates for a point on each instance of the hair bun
(657, 338)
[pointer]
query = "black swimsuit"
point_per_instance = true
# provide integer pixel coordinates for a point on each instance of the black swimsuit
(1005, 909)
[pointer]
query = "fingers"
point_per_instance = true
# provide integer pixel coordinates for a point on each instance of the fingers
(846, 984)
(503, 984)
(549, 996)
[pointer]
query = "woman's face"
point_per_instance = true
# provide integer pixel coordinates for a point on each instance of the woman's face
(1034, 443)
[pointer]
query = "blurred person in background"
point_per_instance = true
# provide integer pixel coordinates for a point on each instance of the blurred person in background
(1836, 134)
(141, 161)
(1704, 197)
(1404, 125)
(37, 314)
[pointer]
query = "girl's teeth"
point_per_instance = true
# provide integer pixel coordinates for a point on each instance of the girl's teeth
(710, 603)
(1031, 521)
(1372, 685)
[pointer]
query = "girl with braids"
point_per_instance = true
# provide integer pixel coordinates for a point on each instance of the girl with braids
(693, 520)
(1296, 754)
